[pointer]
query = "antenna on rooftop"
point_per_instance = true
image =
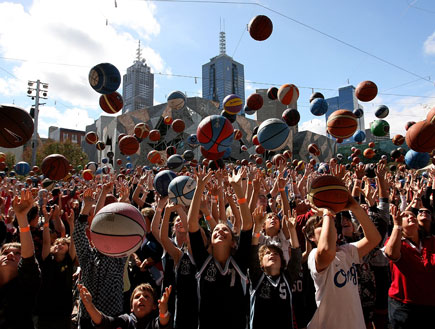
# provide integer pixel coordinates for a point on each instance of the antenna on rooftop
(222, 39)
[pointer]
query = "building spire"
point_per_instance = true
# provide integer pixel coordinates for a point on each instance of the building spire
(222, 39)
(138, 54)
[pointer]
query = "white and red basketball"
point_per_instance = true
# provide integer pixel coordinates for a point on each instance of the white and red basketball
(118, 229)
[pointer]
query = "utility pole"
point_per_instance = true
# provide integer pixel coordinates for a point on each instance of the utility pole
(34, 111)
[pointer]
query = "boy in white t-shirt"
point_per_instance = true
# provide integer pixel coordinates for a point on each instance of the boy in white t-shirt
(333, 269)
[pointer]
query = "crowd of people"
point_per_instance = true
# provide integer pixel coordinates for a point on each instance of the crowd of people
(249, 252)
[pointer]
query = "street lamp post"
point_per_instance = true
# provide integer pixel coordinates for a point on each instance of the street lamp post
(41, 87)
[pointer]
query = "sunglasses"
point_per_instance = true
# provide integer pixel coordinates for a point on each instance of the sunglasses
(422, 211)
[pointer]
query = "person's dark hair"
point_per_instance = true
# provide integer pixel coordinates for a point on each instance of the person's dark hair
(265, 247)
(312, 223)
(33, 212)
(144, 287)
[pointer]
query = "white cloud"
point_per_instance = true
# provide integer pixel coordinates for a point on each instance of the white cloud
(429, 45)
(61, 40)
(315, 125)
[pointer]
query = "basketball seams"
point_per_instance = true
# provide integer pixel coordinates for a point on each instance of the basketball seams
(120, 215)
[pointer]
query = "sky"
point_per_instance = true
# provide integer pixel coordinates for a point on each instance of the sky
(316, 45)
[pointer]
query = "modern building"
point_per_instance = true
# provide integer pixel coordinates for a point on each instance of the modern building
(346, 100)
(222, 76)
(64, 134)
(138, 85)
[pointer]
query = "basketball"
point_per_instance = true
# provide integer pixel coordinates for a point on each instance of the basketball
(273, 134)
(215, 133)
(128, 145)
(314, 149)
(366, 91)
(154, 135)
(260, 149)
(258, 160)
(178, 125)
(91, 166)
(243, 148)
(232, 104)
(342, 124)
(372, 144)
(170, 150)
(237, 134)
(141, 130)
(91, 137)
(416, 160)
(260, 27)
(231, 117)
(104, 78)
(16, 126)
(369, 153)
(272, 93)
(318, 106)
(300, 166)
(316, 95)
(255, 140)
(2, 157)
(395, 154)
(22, 168)
(118, 229)
(398, 140)
(153, 156)
(430, 118)
(211, 155)
(358, 113)
(382, 111)
(288, 94)
(120, 136)
(175, 162)
(188, 155)
(380, 128)
(359, 136)
(162, 180)
(278, 159)
(216, 164)
(111, 103)
(409, 124)
(328, 192)
(181, 190)
(254, 102)
(118, 162)
(100, 145)
(34, 168)
(287, 154)
(176, 100)
(106, 169)
(192, 139)
(421, 137)
(168, 120)
(87, 174)
(55, 166)
(291, 117)
(248, 111)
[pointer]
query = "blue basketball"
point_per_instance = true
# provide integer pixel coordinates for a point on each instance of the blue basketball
(162, 180)
(215, 133)
(319, 106)
(273, 134)
(181, 190)
(129, 165)
(358, 113)
(175, 162)
(98, 171)
(176, 100)
(104, 160)
(192, 139)
(359, 136)
(104, 78)
(382, 111)
(128, 158)
(416, 160)
(22, 168)
(188, 155)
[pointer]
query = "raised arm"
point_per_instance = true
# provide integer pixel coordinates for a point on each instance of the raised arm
(46, 239)
(21, 206)
(86, 298)
(166, 242)
(72, 249)
(236, 182)
(202, 177)
(157, 218)
(394, 244)
(326, 246)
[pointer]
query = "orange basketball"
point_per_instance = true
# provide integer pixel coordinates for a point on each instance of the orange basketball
(87, 174)
(372, 144)
(287, 154)
(141, 130)
(154, 156)
(154, 135)
(342, 124)
(369, 153)
(100, 145)
(128, 145)
(328, 192)
(430, 118)
(288, 94)
(398, 140)
(55, 166)
(237, 134)
(167, 120)
(314, 149)
(420, 137)
(255, 140)
(278, 159)
(91, 137)
(366, 91)
(260, 149)
(178, 125)
(260, 27)
(120, 136)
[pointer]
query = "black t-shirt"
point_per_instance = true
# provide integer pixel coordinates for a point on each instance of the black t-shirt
(55, 296)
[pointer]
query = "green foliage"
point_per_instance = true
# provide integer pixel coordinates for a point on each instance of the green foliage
(10, 160)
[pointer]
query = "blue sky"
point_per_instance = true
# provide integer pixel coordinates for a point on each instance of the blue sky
(61, 40)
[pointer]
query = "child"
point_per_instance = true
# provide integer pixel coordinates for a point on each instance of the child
(142, 304)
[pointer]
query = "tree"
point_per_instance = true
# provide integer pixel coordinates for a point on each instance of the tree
(71, 151)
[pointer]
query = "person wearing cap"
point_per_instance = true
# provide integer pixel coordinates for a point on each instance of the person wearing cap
(411, 302)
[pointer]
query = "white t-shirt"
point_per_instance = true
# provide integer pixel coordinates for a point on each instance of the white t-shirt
(337, 297)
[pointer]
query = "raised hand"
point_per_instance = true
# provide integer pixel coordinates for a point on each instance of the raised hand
(85, 295)
(259, 216)
(23, 204)
(163, 302)
(202, 177)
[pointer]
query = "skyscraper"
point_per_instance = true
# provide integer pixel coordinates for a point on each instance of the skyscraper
(138, 85)
(222, 76)
(346, 100)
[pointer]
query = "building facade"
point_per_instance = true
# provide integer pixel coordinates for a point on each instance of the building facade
(346, 100)
(138, 85)
(63, 135)
(222, 76)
